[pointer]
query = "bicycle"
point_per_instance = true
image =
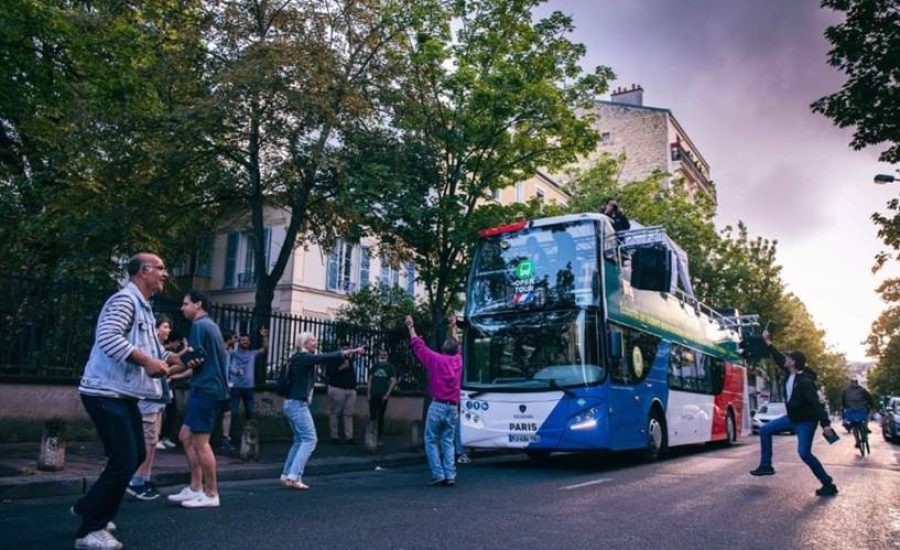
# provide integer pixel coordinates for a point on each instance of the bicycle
(860, 431)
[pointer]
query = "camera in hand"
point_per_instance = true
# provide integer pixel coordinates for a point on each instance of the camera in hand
(192, 355)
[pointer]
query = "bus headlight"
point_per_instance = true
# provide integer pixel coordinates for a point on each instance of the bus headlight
(585, 420)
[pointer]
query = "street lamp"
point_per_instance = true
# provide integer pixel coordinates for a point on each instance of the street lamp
(882, 179)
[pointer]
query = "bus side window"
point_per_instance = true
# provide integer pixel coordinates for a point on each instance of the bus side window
(675, 360)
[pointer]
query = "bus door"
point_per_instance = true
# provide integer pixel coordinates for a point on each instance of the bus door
(626, 417)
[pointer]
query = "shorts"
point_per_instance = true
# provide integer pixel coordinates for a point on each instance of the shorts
(201, 412)
(152, 423)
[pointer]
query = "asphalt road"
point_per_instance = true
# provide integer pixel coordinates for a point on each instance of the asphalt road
(694, 499)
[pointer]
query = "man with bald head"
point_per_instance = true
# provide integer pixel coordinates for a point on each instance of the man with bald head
(127, 363)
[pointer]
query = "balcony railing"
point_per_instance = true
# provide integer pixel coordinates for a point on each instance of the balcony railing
(246, 279)
(679, 154)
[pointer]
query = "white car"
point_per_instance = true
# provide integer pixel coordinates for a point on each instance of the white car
(766, 413)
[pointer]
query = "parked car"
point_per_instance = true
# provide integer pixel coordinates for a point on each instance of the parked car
(890, 420)
(767, 412)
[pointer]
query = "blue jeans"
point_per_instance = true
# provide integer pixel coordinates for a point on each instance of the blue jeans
(460, 449)
(805, 432)
(440, 427)
(118, 423)
(304, 429)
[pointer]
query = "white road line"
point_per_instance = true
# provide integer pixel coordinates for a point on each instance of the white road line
(585, 484)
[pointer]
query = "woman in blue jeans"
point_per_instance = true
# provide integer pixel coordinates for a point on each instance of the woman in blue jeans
(301, 376)
(804, 412)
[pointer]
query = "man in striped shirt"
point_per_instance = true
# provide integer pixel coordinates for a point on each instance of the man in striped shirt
(126, 364)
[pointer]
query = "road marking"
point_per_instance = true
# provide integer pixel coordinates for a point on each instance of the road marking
(585, 484)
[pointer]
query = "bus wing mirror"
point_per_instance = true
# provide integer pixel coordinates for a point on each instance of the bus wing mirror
(651, 269)
(615, 344)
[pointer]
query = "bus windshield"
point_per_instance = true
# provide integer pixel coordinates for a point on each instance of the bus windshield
(539, 268)
(536, 351)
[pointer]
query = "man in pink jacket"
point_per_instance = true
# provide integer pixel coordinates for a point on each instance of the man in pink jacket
(444, 377)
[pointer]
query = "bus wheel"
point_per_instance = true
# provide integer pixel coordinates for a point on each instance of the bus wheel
(730, 430)
(656, 437)
(539, 457)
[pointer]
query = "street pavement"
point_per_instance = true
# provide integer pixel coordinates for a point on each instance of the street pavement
(698, 498)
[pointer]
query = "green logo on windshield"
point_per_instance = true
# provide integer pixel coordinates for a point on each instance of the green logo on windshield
(525, 270)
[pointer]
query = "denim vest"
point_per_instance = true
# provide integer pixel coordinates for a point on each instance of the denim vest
(124, 377)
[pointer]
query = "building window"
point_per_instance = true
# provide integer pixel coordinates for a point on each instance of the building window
(240, 250)
(520, 191)
(340, 268)
(390, 276)
(231, 250)
(606, 138)
(495, 194)
(204, 256)
(541, 196)
(364, 262)
(411, 279)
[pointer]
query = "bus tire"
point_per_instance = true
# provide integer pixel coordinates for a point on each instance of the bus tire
(656, 436)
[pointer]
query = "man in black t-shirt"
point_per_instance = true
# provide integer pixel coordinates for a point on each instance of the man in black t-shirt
(342, 397)
(382, 379)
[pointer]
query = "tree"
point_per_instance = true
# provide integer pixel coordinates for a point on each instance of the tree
(488, 96)
(866, 47)
(290, 88)
(85, 178)
(884, 342)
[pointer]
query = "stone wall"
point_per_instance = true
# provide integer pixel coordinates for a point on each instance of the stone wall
(25, 407)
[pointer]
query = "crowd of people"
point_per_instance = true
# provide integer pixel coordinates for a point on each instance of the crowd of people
(126, 390)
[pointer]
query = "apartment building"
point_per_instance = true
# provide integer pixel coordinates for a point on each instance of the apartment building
(651, 139)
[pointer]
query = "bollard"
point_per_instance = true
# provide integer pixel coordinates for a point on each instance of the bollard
(415, 434)
(53, 446)
(371, 437)
(250, 441)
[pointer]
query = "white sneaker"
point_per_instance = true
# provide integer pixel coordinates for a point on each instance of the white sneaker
(168, 443)
(186, 494)
(203, 501)
(110, 526)
(160, 446)
(101, 538)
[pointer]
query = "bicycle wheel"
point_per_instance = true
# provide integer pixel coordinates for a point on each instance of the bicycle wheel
(864, 441)
(858, 437)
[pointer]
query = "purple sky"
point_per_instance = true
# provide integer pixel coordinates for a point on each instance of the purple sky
(739, 76)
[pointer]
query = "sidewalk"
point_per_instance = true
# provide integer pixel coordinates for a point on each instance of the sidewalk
(19, 477)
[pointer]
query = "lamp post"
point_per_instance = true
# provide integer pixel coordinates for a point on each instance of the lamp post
(882, 179)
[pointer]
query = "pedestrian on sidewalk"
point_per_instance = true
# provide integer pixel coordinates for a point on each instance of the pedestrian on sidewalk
(301, 379)
(241, 380)
(141, 487)
(804, 410)
(209, 388)
(341, 381)
(225, 447)
(444, 372)
(382, 380)
(170, 423)
(126, 363)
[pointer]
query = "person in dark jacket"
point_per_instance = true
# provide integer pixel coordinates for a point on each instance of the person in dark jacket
(612, 209)
(804, 410)
(301, 376)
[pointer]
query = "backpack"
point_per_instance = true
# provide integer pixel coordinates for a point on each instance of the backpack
(283, 383)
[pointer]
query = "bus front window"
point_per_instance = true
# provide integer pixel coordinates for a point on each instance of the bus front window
(540, 268)
(533, 351)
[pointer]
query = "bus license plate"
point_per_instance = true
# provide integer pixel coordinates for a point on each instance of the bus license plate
(524, 438)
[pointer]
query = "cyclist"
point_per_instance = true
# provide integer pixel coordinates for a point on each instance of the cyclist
(857, 402)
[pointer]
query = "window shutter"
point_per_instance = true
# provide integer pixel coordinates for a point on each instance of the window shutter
(231, 259)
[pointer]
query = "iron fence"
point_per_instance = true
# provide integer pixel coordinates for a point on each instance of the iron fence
(46, 332)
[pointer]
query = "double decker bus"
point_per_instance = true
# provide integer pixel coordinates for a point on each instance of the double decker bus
(581, 338)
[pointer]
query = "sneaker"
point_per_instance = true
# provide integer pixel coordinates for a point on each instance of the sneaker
(450, 482)
(463, 459)
(147, 491)
(203, 501)
(168, 443)
(100, 538)
(110, 526)
(160, 446)
(226, 447)
(827, 490)
(436, 481)
(763, 471)
(186, 494)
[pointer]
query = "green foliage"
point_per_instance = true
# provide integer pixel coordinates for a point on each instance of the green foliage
(86, 175)
(479, 105)
(884, 342)
(866, 47)
(383, 307)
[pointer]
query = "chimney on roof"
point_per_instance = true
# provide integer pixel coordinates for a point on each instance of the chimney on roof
(633, 96)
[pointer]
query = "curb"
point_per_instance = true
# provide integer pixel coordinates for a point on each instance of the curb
(23, 488)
